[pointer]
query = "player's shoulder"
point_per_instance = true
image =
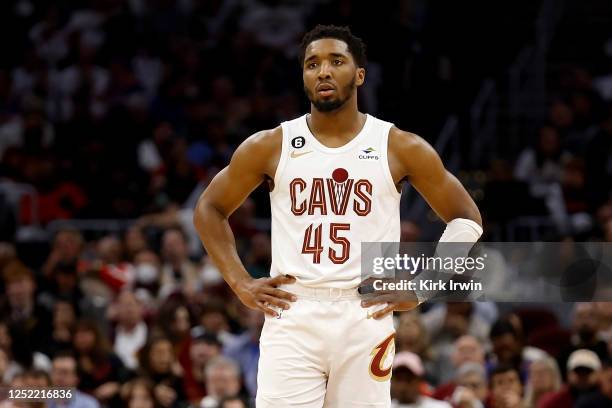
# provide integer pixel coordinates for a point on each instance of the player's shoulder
(402, 141)
(263, 142)
(266, 138)
(258, 152)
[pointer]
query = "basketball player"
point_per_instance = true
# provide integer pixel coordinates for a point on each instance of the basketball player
(335, 177)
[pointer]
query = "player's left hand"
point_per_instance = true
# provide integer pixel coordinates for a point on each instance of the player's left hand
(393, 300)
(392, 304)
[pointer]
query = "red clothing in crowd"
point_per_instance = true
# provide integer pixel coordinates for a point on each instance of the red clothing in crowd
(559, 399)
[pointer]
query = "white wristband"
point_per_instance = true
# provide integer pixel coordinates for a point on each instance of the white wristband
(461, 230)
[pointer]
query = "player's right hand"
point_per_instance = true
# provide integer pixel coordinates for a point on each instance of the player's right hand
(263, 293)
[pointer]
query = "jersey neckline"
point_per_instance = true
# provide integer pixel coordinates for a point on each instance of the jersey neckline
(341, 149)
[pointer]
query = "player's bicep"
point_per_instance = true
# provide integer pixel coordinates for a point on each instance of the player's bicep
(232, 185)
(228, 190)
(440, 188)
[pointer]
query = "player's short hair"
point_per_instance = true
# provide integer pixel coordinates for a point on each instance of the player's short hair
(355, 45)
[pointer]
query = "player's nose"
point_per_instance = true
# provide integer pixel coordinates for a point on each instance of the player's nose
(324, 70)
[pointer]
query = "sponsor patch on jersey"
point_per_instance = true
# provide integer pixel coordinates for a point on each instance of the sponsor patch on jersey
(368, 153)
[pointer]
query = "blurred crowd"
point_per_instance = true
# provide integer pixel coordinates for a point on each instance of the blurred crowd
(117, 109)
(564, 174)
(114, 109)
(128, 327)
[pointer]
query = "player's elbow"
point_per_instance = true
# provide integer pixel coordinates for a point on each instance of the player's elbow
(471, 212)
(474, 215)
(203, 214)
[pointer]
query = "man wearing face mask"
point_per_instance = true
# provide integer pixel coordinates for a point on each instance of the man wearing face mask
(583, 368)
(147, 272)
(585, 325)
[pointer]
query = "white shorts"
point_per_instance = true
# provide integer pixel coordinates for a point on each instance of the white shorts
(325, 352)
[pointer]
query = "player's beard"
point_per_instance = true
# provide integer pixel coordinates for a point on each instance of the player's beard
(331, 105)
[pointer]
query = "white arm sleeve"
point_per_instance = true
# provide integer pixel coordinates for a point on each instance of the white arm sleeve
(459, 230)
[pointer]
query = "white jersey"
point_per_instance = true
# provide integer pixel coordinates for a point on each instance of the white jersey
(327, 201)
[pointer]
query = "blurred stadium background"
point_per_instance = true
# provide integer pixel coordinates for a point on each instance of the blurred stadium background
(114, 115)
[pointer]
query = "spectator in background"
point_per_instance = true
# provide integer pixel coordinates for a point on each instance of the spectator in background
(158, 364)
(147, 274)
(445, 323)
(214, 319)
(16, 342)
(57, 198)
(232, 402)
(138, 393)
(605, 319)
(131, 330)
(602, 398)
(544, 377)
(64, 321)
(109, 250)
(466, 349)
(19, 307)
(33, 379)
(508, 348)
(471, 390)
(407, 383)
(64, 374)
(541, 168)
(178, 272)
(411, 335)
(66, 248)
(585, 327)
(63, 284)
(174, 321)
(222, 380)
(134, 242)
(583, 369)
(449, 321)
(506, 388)
(204, 347)
(100, 371)
(245, 348)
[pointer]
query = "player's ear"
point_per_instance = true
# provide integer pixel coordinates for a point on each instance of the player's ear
(359, 76)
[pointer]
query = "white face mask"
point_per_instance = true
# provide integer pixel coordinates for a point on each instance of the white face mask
(146, 273)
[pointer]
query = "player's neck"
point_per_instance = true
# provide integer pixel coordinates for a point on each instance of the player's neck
(343, 123)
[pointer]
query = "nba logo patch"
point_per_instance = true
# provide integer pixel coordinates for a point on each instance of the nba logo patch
(368, 153)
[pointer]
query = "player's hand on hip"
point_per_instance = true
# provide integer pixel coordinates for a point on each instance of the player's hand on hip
(392, 303)
(263, 293)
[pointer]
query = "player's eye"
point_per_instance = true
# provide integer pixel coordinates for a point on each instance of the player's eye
(338, 62)
(311, 65)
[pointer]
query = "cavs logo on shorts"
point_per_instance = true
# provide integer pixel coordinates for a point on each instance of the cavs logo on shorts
(379, 355)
